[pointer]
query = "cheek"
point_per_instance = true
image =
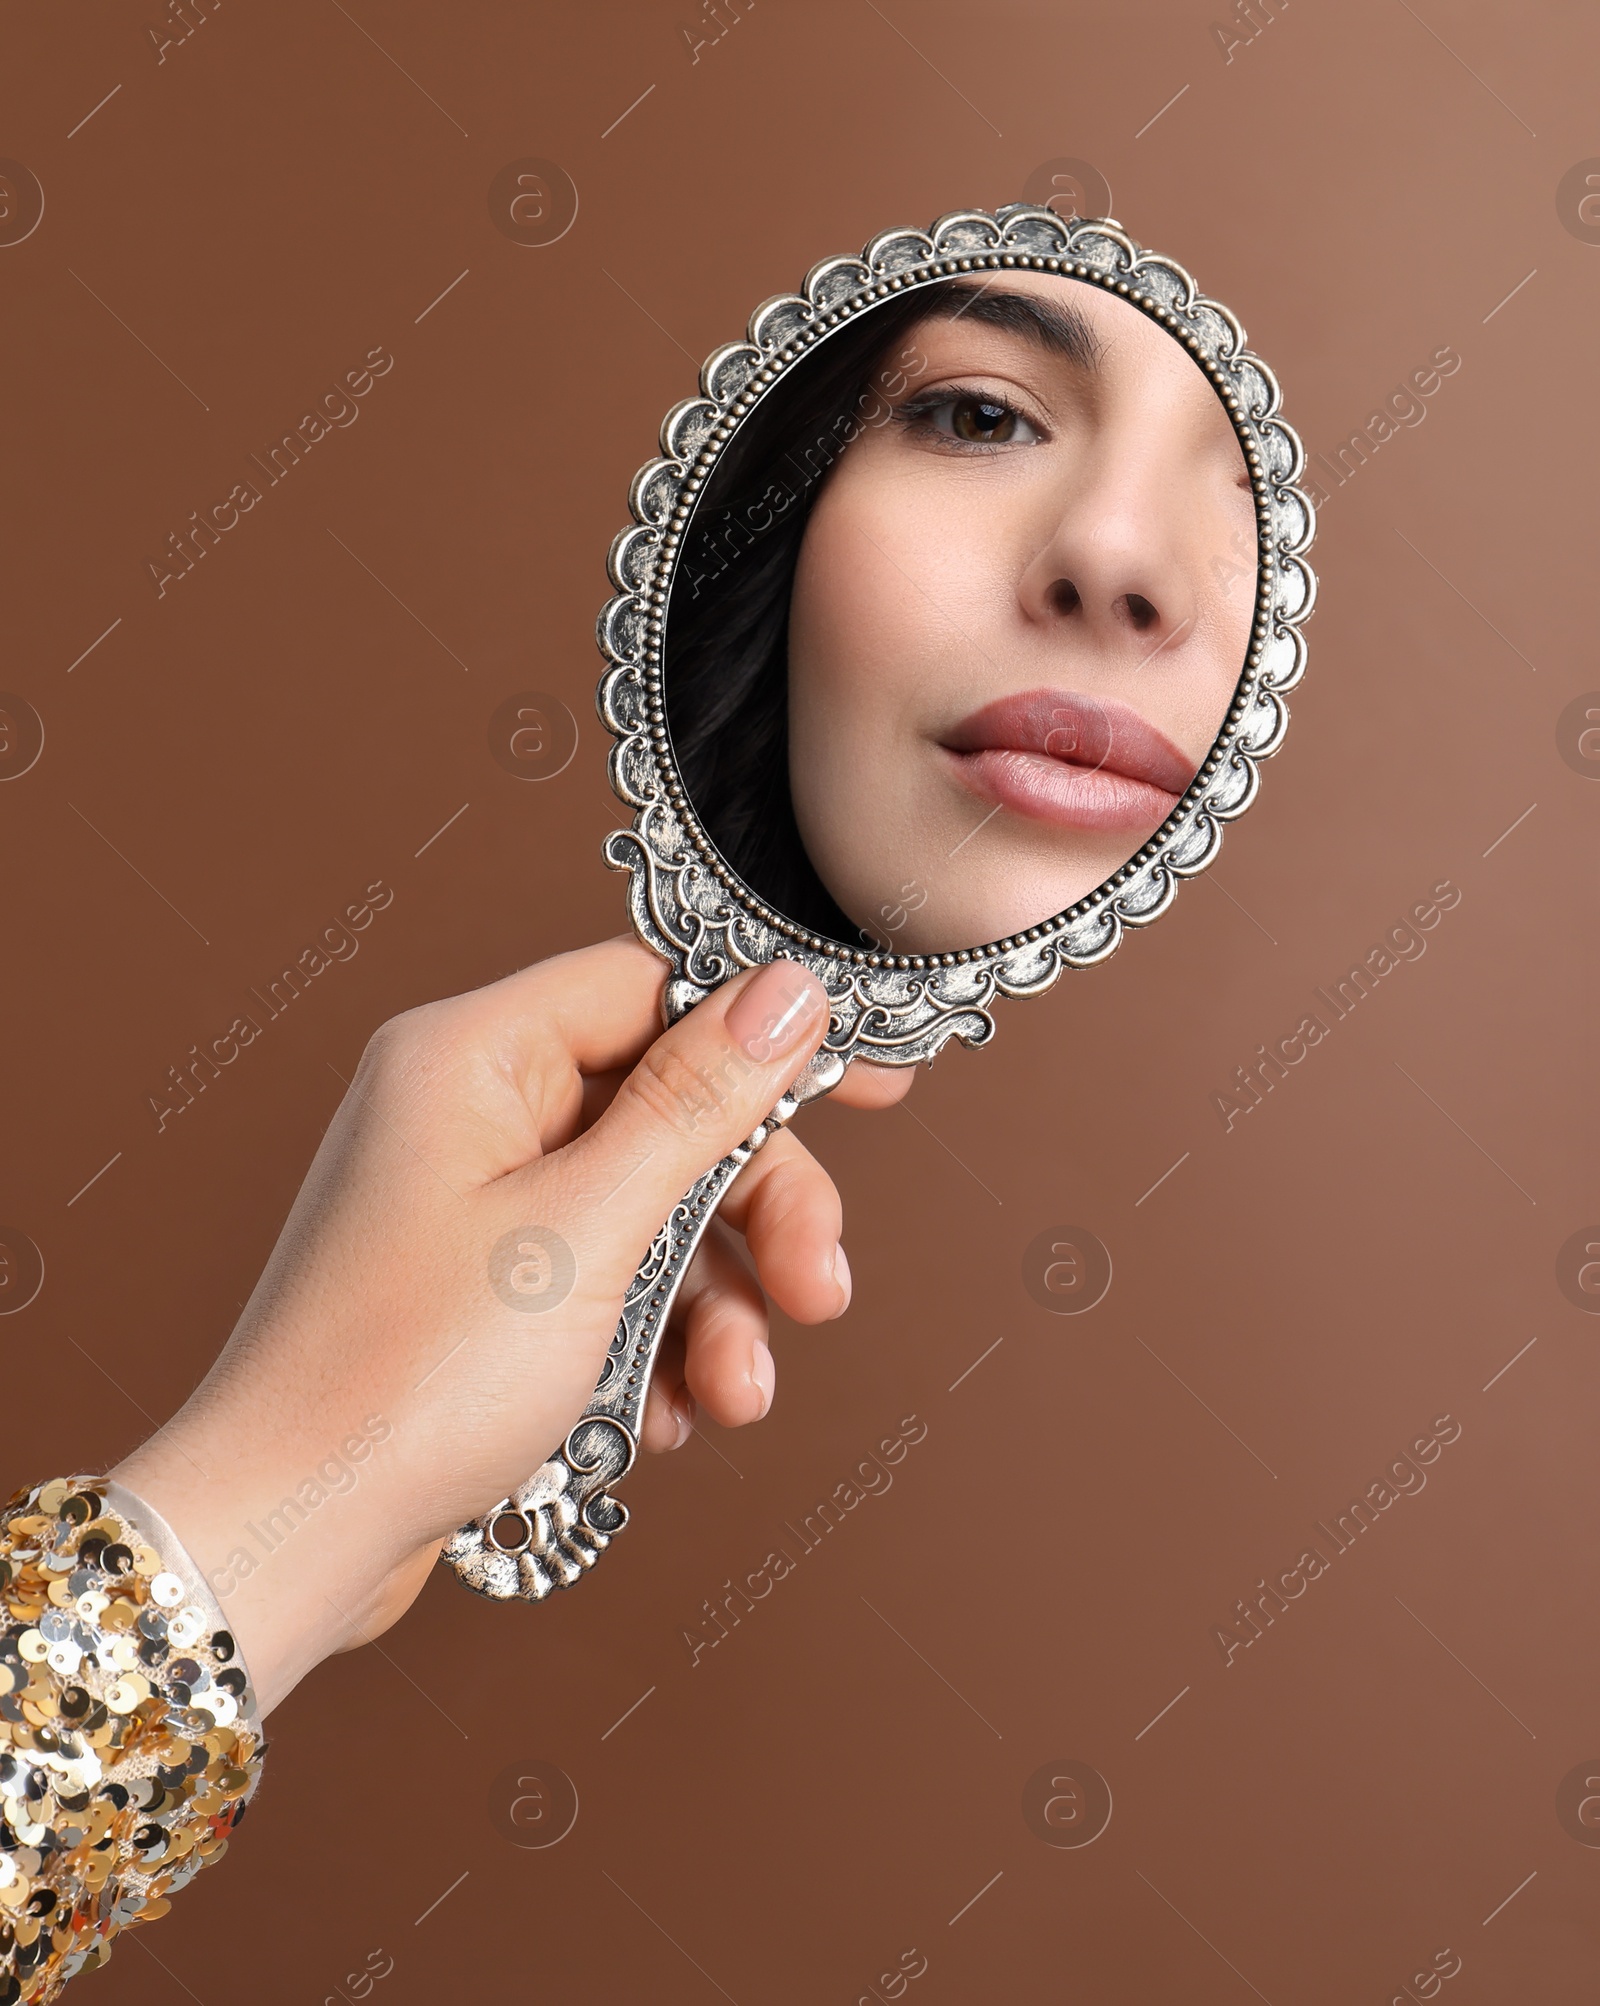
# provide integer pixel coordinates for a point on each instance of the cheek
(834, 636)
(869, 622)
(832, 610)
(843, 623)
(859, 655)
(851, 658)
(1195, 707)
(1224, 562)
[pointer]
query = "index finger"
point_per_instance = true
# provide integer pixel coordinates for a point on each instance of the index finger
(868, 1086)
(597, 1008)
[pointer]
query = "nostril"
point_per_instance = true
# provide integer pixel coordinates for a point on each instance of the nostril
(1065, 597)
(1143, 615)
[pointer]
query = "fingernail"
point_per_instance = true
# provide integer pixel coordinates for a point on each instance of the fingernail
(683, 1414)
(763, 1377)
(775, 1012)
(841, 1274)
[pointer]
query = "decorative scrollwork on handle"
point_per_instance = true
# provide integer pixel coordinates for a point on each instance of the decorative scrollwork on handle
(552, 1529)
(555, 1526)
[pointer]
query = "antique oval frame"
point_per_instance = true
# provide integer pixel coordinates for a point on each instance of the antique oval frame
(686, 902)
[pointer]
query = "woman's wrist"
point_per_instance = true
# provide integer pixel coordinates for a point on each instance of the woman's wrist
(306, 1554)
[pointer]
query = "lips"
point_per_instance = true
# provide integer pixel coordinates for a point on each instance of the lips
(1074, 761)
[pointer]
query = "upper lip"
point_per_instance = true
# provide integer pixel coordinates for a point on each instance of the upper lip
(1097, 734)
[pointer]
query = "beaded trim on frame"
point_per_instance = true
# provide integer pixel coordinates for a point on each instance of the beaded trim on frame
(686, 902)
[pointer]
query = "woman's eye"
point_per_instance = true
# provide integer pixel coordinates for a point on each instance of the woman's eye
(986, 422)
(972, 417)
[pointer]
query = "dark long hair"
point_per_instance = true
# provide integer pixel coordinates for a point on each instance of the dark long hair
(726, 674)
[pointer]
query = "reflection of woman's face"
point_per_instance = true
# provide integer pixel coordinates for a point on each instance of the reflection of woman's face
(1019, 614)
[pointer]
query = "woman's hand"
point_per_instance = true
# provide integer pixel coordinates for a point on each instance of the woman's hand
(388, 1375)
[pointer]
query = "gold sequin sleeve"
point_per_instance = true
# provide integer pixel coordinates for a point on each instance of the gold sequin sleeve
(129, 1737)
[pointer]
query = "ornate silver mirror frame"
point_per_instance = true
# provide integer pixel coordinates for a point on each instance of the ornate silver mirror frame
(707, 924)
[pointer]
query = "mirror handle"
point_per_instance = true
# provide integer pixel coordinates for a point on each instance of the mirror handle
(552, 1529)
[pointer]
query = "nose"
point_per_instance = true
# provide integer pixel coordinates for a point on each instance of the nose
(1113, 564)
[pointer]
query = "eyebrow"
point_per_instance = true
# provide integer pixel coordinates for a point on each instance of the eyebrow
(1061, 330)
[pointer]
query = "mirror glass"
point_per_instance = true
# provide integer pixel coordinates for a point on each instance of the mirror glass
(960, 612)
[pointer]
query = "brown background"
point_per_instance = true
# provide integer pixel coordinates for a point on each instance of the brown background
(1361, 1788)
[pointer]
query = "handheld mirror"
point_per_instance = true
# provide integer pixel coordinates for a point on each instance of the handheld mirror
(951, 627)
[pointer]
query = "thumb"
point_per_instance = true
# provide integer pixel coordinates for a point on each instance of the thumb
(700, 1090)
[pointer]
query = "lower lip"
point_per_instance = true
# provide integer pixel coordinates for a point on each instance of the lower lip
(1067, 797)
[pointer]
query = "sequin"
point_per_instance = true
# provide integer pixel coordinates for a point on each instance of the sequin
(106, 1672)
